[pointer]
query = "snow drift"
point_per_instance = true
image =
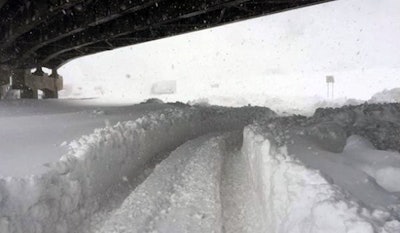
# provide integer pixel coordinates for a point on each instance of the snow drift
(297, 199)
(97, 164)
(331, 172)
(301, 183)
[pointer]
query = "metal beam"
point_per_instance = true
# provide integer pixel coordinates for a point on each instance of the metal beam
(2, 2)
(99, 25)
(76, 21)
(164, 12)
(30, 16)
(171, 23)
(158, 9)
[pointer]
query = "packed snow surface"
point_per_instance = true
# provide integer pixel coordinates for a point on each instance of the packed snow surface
(164, 168)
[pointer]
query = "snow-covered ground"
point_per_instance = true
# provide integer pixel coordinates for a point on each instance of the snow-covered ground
(102, 162)
(209, 192)
(304, 189)
(56, 194)
(324, 173)
(177, 168)
(35, 133)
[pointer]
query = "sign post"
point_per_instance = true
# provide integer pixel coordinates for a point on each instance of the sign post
(330, 82)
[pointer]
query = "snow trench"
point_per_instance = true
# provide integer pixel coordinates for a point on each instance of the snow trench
(82, 181)
(285, 178)
(181, 195)
(202, 186)
(296, 198)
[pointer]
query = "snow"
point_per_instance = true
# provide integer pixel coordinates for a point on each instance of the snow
(241, 212)
(208, 192)
(164, 87)
(297, 195)
(293, 58)
(282, 105)
(96, 166)
(384, 166)
(88, 166)
(330, 163)
(344, 173)
(284, 54)
(187, 201)
(386, 96)
(35, 133)
(157, 167)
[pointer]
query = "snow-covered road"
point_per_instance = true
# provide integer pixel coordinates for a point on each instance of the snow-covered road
(179, 168)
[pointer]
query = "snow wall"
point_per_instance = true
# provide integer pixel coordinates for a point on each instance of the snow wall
(76, 186)
(297, 199)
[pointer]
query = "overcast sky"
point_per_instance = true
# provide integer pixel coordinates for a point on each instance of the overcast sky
(289, 53)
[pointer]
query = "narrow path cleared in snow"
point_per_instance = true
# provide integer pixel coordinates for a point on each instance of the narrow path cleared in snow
(194, 169)
(240, 211)
(203, 186)
(107, 176)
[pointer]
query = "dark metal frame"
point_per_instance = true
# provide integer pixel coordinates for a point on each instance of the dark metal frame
(50, 33)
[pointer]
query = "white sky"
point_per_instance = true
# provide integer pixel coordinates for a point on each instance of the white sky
(286, 54)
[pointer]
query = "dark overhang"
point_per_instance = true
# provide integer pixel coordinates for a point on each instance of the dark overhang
(50, 33)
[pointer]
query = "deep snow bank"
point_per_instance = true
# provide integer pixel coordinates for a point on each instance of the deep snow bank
(383, 166)
(76, 186)
(333, 162)
(379, 123)
(296, 198)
